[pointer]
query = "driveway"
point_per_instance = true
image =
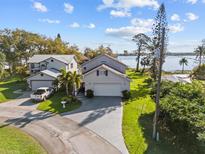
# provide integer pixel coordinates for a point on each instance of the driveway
(58, 135)
(102, 115)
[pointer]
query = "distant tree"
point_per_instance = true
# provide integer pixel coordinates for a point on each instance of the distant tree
(2, 63)
(141, 40)
(200, 53)
(145, 61)
(90, 53)
(183, 62)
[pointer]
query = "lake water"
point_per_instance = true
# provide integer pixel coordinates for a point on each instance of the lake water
(171, 62)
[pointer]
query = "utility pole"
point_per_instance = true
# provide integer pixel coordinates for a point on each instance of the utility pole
(155, 134)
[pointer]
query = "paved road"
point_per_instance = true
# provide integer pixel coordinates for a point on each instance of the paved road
(103, 115)
(56, 134)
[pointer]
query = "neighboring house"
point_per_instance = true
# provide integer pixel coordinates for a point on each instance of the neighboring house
(44, 69)
(105, 75)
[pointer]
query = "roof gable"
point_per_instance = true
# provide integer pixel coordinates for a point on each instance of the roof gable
(106, 56)
(63, 58)
(107, 68)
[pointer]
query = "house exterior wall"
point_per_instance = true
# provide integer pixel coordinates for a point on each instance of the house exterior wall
(53, 63)
(103, 60)
(72, 66)
(91, 79)
(39, 77)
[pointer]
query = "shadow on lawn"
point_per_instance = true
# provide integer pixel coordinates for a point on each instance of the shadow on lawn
(8, 89)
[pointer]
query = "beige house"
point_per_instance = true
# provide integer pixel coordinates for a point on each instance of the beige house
(45, 69)
(106, 76)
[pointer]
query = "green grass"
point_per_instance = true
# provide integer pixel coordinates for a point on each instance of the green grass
(138, 114)
(8, 86)
(14, 141)
(54, 104)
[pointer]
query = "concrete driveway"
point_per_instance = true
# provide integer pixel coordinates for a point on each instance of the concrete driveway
(103, 115)
(58, 135)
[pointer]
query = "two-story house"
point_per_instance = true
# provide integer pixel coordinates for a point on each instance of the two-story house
(105, 75)
(44, 69)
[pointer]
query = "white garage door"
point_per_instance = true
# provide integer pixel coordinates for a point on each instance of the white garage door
(104, 89)
(37, 84)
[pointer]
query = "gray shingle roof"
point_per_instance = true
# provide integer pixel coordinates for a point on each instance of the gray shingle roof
(63, 58)
(51, 72)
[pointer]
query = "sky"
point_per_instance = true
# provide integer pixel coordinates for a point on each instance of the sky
(113, 23)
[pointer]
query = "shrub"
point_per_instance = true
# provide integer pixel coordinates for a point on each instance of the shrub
(149, 81)
(199, 72)
(67, 99)
(126, 94)
(89, 93)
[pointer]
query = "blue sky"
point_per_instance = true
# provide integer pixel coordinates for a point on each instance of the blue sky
(90, 23)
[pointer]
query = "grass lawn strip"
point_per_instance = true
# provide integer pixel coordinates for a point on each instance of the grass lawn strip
(14, 141)
(8, 88)
(138, 114)
(54, 105)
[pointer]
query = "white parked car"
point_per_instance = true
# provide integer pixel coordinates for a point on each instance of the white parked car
(42, 93)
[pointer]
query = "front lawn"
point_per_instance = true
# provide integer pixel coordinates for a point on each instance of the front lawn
(137, 122)
(8, 88)
(54, 105)
(14, 141)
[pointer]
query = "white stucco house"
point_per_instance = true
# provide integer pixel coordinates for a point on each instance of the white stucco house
(105, 75)
(44, 69)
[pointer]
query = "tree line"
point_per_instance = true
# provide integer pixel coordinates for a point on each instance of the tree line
(17, 46)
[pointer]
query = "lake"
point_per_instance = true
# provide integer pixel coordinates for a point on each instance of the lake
(171, 62)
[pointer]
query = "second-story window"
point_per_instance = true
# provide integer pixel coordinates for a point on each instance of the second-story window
(32, 65)
(97, 72)
(84, 68)
(71, 65)
(51, 60)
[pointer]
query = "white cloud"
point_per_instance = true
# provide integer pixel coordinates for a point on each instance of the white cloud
(128, 4)
(120, 13)
(90, 26)
(137, 26)
(68, 8)
(50, 21)
(191, 16)
(192, 1)
(74, 25)
(175, 17)
(39, 7)
(176, 28)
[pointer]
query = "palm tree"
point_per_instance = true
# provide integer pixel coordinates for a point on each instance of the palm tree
(64, 79)
(75, 80)
(141, 40)
(200, 53)
(183, 62)
(71, 81)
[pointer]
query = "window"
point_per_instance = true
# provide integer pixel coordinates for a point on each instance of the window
(103, 62)
(32, 65)
(71, 65)
(51, 60)
(41, 74)
(97, 72)
(84, 68)
(106, 73)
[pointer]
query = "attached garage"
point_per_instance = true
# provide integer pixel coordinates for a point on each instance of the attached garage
(37, 84)
(43, 79)
(107, 89)
(105, 81)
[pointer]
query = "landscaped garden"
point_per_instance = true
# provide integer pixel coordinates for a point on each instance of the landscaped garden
(14, 141)
(138, 115)
(11, 88)
(53, 104)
